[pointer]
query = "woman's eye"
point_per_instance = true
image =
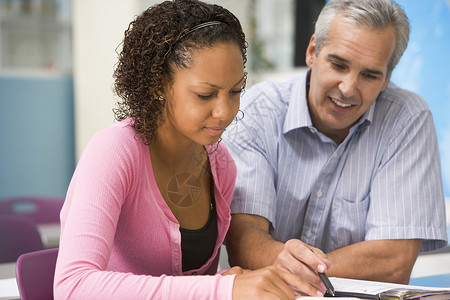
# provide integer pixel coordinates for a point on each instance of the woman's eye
(204, 96)
(235, 92)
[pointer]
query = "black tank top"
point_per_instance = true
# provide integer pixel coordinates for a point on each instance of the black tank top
(197, 246)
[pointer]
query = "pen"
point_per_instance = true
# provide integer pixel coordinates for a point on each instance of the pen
(326, 281)
(328, 285)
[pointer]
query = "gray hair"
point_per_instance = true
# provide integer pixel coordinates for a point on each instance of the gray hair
(373, 14)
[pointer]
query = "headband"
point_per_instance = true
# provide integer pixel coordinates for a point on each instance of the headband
(202, 25)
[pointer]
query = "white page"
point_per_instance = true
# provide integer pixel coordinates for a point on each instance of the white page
(371, 287)
(322, 298)
(8, 289)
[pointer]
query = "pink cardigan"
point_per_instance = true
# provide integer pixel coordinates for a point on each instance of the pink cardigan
(119, 239)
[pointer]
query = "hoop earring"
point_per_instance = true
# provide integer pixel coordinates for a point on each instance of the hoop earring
(240, 115)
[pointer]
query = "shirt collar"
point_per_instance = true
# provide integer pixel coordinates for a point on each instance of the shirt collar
(298, 115)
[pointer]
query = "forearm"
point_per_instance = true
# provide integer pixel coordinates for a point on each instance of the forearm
(383, 260)
(249, 245)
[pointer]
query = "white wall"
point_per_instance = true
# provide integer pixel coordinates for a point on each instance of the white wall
(98, 28)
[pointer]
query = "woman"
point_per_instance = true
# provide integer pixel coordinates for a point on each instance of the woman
(148, 205)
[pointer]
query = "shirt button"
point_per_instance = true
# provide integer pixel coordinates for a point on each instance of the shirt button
(308, 234)
(319, 194)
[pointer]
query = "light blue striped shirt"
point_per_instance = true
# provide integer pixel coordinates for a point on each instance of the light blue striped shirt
(383, 182)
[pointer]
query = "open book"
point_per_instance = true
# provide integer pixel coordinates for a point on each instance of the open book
(381, 290)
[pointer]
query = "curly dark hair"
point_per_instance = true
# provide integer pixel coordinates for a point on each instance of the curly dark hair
(158, 41)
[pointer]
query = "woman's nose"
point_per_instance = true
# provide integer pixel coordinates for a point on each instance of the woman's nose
(223, 109)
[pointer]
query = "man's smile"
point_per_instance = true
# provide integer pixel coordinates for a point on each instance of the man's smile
(340, 104)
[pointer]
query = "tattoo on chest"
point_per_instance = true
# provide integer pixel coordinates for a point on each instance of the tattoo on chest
(184, 190)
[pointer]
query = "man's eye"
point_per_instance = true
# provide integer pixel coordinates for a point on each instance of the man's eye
(370, 76)
(337, 66)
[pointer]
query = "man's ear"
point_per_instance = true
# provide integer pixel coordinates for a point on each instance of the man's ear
(386, 82)
(311, 52)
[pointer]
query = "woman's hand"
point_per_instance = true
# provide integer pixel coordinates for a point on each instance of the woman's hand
(269, 283)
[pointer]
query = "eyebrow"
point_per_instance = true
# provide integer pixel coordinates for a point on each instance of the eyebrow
(216, 86)
(337, 57)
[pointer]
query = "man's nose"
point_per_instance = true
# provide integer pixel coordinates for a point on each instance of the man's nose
(349, 85)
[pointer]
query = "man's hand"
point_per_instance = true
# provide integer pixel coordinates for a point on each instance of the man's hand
(303, 260)
(250, 246)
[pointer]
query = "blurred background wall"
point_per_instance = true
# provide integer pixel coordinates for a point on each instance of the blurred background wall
(57, 59)
(36, 98)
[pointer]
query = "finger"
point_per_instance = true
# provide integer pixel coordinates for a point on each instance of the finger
(261, 284)
(288, 262)
(314, 258)
(323, 257)
(301, 286)
(277, 285)
(317, 251)
(325, 264)
(293, 259)
(233, 270)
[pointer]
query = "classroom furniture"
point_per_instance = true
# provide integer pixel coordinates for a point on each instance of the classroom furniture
(41, 210)
(44, 211)
(50, 234)
(8, 289)
(7, 270)
(18, 235)
(34, 274)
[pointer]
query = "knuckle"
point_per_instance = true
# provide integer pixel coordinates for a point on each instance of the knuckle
(268, 271)
(290, 243)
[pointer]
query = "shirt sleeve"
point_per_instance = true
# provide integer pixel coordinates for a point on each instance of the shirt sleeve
(407, 198)
(252, 142)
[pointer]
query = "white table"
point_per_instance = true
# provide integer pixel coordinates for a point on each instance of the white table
(50, 234)
(8, 284)
(7, 270)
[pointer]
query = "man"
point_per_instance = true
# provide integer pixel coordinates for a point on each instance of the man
(340, 159)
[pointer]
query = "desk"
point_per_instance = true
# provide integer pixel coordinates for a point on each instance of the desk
(7, 270)
(8, 284)
(50, 234)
